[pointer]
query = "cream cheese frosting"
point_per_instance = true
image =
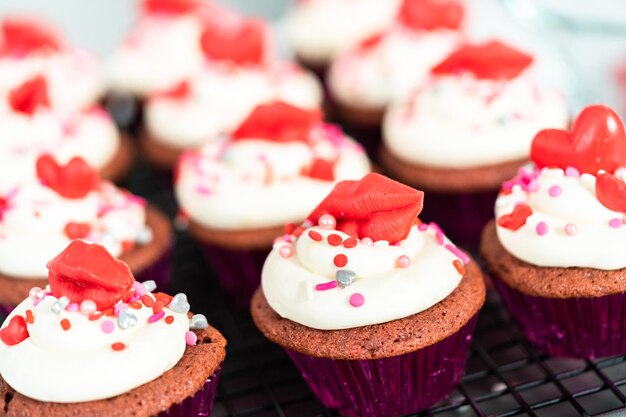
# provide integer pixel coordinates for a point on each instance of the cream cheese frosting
(460, 121)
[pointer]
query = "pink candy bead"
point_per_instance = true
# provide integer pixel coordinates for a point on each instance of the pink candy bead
(570, 229)
(357, 300)
(403, 261)
(542, 228)
(107, 326)
(190, 338)
(554, 191)
(615, 223)
(327, 221)
(286, 251)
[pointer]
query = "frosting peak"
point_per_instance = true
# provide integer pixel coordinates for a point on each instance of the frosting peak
(72, 180)
(431, 14)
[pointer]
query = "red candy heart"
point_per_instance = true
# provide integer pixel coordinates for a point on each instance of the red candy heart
(322, 169)
(489, 61)
(76, 230)
(431, 14)
(171, 6)
(21, 36)
(242, 42)
(86, 271)
(15, 333)
(29, 96)
(278, 122)
(73, 180)
(375, 207)
(517, 218)
(596, 141)
(611, 191)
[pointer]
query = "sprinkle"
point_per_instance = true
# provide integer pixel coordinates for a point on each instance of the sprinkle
(166, 298)
(158, 306)
(357, 300)
(570, 229)
(119, 307)
(458, 252)
(169, 319)
(403, 261)
(66, 325)
(179, 304)
(439, 237)
(315, 236)
(554, 191)
(109, 312)
(88, 307)
(285, 251)
(367, 241)
(326, 286)
(118, 346)
(149, 285)
(126, 320)
(349, 243)
(541, 228)
(198, 322)
(345, 277)
(298, 232)
(95, 316)
(147, 301)
(572, 172)
(60, 304)
(615, 223)
(30, 318)
(73, 308)
(533, 186)
(33, 294)
(107, 326)
(136, 305)
(422, 227)
(334, 239)
(190, 338)
(340, 260)
(156, 317)
(459, 266)
(327, 221)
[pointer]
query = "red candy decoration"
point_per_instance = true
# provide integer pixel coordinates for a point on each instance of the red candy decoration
(493, 60)
(76, 230)
(240, 42)
(596, 141)
(15, 333)
(322, 169)
(21, 35)
(29, 96)
(174, 7)
(371, 41)
(180, 91)
(278, 122)
(517, 218)
(73, 180)
(375, 207)
(611, 191)
(431, 14)
(86, 271)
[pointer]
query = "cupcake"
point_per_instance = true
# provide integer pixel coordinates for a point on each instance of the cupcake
(95, 342)
(217, 100)
(40, 218)
(555, 251)
(318, 30)
(30, 125)
(375, 308)
(363, 80)
(238, 192)
(468, 129)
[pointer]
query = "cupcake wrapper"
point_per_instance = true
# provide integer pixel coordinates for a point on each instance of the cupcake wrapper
(198, 405)
(238, 272)
(160, 271)
(5, 310)
(391, 386)
(126, 109)
(585, 328)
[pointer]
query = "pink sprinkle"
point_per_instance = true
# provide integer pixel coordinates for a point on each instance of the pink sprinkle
(436, 227)
(533, 186)
(33, 293)
(458, 252)
(139, 288)
(615, 223)
(202, 190)
(107, 326)
(439, 237)
(326, 286)
(190, 338)
(554, 191)
(357, 300)
(119, 307)
(570, 229)
(572, 172)
(422, 227)
(73, 308)
(156, 317)
(541, 228)
(286, 251)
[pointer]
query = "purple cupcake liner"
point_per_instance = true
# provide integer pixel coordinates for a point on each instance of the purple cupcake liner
(238, 272)
(5, 310)
(584, 328)
(198, 405)
(388, 387)
(160, 271)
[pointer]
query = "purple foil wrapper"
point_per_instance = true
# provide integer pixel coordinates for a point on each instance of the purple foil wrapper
(200, 404)
(388, 387)
(238, 272)
(160, 271)
(584, 328)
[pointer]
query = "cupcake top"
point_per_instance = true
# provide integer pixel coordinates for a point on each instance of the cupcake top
(273, 169)
(190, 32)
(220, 97)
(568, 208)
(480, 106)
(39, 218)
(30, 48)
(386, 65)
(31, 125)
(362, 258)
(318, 30)
(94, 332)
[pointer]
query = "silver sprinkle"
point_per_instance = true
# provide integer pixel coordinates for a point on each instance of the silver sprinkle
(144, 236)
(198, 322)
(60, 304)
(149, 285)
(126, 320)
(179, 304)
(345, 277)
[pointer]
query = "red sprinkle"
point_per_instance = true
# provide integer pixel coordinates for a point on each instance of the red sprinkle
(118, 346)
(66, 325)
(315, 236)
(30, 318)
(147, 300)
(169, 319)
(459, 266)
(110, 312)
(136, 305)
(289, 228)
(158, 306)
(349, 243)
(340, 260)
(334, 239)
(95, 316)
(166, 298)
(299, 230)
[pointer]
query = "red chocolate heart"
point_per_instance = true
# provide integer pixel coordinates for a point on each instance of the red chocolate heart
(29, 96)
(86, 271)
(431, 14)
(278, 122)
(596, 141)
(15, 333)
(76, 230)
(174, 7)
(240, 42)
(611, 191)
(375, 207)
(517, 218)
(73, 180)
(493, 60)
(21, 35)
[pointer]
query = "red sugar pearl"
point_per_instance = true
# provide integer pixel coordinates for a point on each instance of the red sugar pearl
(315, 236)
(66, 325)
(334, 239)
(459, 266)
(118, 346)
(349, 243)
(340, 260)
(169, 319)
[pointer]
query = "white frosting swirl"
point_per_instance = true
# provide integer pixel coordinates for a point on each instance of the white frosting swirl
(596, 240)
(400, 61)
(389, 292)
(33, 219)
(319, 29)
(221, 97)
(461, 121)
(258, 183)
(77, 365)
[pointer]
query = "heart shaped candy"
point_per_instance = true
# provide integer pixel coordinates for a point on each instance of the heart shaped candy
(73, 180)
(179, 304)
(16, 331)
(611, 191)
